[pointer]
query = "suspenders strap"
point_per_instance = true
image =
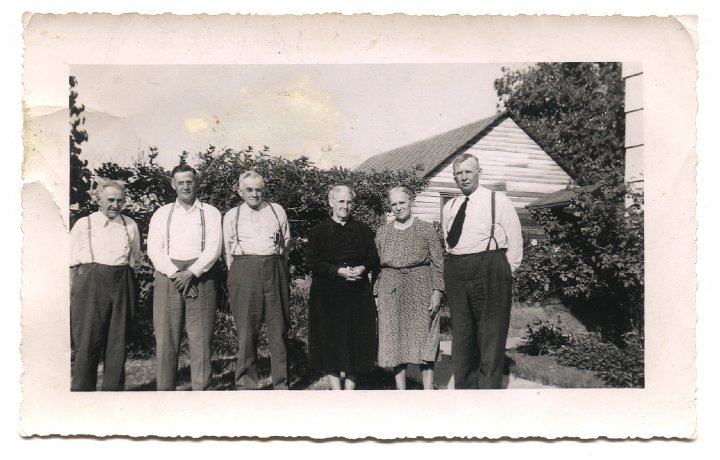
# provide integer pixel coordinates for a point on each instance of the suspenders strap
(237, 231)
(167, 232)
(280, 232)
(492, 225)
(92, 254)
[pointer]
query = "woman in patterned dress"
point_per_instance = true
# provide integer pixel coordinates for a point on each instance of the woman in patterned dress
(409, 289)
(341, 320)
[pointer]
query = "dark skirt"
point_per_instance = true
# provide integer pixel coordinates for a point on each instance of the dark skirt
(342, 332)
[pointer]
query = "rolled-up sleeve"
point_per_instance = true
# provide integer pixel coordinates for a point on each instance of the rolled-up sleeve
(135, 259)
(213, 242)
(156, 243)
(437, 258)
(510, 223)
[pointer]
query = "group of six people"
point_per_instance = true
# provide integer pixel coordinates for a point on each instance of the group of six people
(373, 300)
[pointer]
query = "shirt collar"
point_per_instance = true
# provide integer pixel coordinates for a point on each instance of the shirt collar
(249, 209)
(105, 220)
(477, 193)
(196, 204)
(350, 220)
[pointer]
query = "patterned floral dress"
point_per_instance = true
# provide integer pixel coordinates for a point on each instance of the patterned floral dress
(411, 262)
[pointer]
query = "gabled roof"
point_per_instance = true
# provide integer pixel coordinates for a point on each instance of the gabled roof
(561, 197)
(431, 152)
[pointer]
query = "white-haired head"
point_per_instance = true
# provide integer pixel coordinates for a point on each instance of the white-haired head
(340, 188)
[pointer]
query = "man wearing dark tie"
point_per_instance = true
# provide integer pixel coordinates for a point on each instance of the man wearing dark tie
(484, 245)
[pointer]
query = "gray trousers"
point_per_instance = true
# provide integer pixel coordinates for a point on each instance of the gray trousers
(258, 288)
(170, 312)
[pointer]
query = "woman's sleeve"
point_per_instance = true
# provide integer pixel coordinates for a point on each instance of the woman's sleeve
(313, 257)
(376, 273)
(371, 259)
(437, 258)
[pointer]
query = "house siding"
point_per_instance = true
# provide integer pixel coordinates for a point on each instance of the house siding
(512, 164)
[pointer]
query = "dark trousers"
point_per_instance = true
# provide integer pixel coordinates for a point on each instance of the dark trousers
(170, 312)
(479, 294)
(101, 302)
(258, 287)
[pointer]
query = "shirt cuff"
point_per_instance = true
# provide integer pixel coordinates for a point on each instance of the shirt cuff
(197, 271)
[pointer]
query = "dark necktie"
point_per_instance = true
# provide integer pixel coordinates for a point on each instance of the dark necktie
(456, 229)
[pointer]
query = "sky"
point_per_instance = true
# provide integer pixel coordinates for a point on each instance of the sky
(337, 115)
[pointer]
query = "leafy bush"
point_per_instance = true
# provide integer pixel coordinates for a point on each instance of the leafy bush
(545, 338)
(620, 365)
(299, 186)
(593, 259)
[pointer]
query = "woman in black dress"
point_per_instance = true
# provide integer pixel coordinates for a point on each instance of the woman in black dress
(341, 322)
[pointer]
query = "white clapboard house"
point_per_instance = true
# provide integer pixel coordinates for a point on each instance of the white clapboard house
(512, 163)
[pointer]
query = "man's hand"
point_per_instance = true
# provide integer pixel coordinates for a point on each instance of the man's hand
(183, 280)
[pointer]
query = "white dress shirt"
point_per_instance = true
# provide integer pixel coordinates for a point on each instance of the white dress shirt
(253, 231)
(185, 233)
(112, 242)
(478, 219)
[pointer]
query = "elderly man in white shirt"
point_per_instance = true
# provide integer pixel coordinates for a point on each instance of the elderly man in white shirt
(484, 245)
(256, 236)
(184, 242)
(104, 252)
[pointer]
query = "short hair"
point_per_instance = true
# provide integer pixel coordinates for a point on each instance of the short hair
(103, 183)
(463, 157)
(181, 168)
(338, 188)
(402, 189)
(250, 175)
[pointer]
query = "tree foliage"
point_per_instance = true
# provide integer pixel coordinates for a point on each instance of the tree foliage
(79, 173)
(298, 185)
(593, 258)
(574, 111)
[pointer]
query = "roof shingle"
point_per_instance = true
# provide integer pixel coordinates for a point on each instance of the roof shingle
(431, 152)
(561, 197)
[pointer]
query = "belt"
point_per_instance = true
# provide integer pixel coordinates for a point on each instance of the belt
(478, 254)
(257, 256)
(405, 270)
(101, 266)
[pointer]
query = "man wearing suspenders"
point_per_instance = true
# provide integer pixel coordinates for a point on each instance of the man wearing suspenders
(104, 251)
(256, 236)
(484, 245)
(184, 242)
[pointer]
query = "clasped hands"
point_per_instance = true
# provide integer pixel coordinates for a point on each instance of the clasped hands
(352, 273)
(183, 280)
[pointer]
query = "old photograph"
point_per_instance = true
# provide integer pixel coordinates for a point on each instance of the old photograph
(374, 224)
(550, 139)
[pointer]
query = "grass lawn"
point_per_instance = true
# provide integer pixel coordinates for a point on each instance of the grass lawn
(140, 375)
(545, 370)
(523, 315)
(140, 372)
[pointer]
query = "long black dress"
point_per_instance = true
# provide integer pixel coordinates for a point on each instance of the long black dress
(341, 320)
